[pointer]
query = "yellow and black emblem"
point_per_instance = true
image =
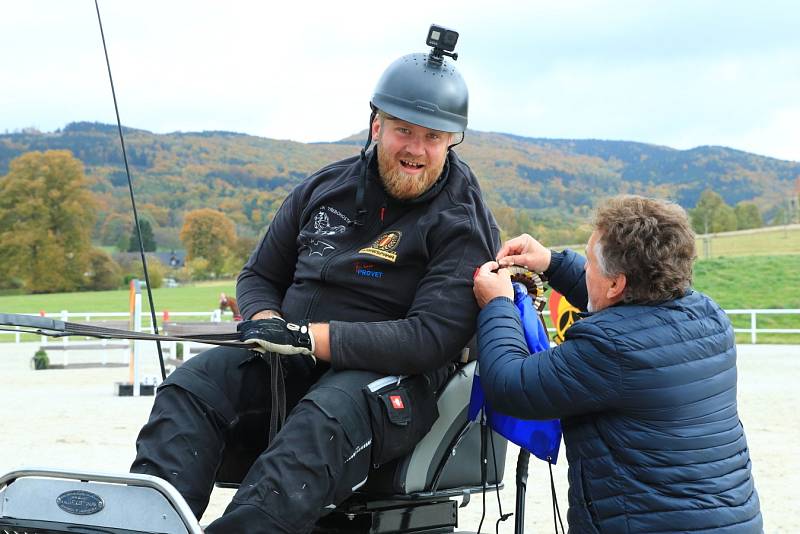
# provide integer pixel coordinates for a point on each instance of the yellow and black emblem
(384, 246)
(563, 314)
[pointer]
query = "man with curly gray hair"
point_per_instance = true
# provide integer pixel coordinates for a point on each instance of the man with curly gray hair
(644, 383)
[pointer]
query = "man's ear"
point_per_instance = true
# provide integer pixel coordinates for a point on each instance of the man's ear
(617, 288)
(376, 128)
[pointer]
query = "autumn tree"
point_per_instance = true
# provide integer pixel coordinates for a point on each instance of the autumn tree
(114, 230)
(712, 214)
(240, 251)
(46, 220)
(210, 235)
(747, 216)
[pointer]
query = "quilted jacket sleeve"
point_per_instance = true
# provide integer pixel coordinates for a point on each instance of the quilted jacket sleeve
(577, 377)
(567, 276)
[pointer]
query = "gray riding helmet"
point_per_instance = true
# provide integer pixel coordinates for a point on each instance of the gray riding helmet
(425, 92)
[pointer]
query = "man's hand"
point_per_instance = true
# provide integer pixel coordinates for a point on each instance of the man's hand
(276, 335)
(526, 251)
(489, 285)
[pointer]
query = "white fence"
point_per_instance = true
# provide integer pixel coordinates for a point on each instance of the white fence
(754, 330)
(217, 316)
(213, 316)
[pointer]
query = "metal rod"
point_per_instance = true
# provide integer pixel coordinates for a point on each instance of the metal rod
(133, 200)
(522, 485)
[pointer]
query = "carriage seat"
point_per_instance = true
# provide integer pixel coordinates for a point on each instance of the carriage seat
(415, 493)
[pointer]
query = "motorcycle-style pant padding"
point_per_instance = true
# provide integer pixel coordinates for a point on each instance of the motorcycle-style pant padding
(210, 419)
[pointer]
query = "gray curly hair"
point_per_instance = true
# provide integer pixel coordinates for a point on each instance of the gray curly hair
(648, 240)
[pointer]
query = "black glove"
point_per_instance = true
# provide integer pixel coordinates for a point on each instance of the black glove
(276, 335)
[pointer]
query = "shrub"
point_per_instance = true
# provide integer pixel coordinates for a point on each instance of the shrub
(40, 360)
(133, 267)
(103, 273)
(198, 269)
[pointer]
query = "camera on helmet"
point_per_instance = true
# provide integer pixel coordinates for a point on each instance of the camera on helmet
(443, 41)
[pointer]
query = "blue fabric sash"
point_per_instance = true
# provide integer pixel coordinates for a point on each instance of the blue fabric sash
(540, 438)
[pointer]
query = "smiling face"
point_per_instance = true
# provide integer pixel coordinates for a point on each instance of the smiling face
(410, 157)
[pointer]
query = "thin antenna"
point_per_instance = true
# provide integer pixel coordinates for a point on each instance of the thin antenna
(133, 200)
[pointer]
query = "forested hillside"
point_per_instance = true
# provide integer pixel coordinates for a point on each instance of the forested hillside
(546, 186)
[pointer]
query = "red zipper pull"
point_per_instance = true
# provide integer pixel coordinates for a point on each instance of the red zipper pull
(383, 212)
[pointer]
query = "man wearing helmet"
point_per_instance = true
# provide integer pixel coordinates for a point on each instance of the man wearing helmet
(365, 271)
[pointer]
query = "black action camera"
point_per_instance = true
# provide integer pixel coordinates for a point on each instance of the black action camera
(443, 41)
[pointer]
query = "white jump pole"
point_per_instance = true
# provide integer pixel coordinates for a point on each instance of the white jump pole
(136, 318)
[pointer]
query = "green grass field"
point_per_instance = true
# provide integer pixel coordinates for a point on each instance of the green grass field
(777, 240)
(759, 270)
(202, 296)
(754, 282)
(751, 281)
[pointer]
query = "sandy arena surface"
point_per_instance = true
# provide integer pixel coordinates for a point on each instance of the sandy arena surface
(70, 418)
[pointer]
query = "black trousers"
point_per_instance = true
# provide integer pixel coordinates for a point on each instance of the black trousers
(210, 419)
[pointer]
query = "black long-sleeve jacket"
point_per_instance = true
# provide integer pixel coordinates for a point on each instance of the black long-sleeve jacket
(397, 291)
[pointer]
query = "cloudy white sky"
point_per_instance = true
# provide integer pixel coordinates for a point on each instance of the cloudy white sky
(676, 73)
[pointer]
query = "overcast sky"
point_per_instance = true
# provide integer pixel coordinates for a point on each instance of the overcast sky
(676, 73)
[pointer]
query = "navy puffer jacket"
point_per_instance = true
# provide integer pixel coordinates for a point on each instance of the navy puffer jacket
(647, 400)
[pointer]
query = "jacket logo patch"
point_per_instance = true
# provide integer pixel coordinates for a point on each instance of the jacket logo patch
(322, 225)
(367, 270)
(397, 402)
(384, 246)
(323, 228)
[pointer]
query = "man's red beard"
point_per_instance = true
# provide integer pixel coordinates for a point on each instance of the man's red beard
(400, 184)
